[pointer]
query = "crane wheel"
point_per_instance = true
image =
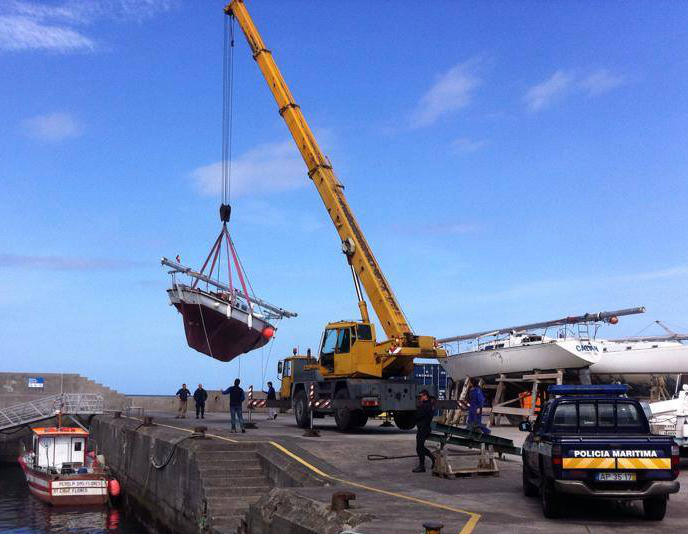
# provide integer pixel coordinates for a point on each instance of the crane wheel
(405, 420)
(360, 418)
(344, 417)
(301, 410)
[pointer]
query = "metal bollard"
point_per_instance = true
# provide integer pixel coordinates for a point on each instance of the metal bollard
(433, 527)
(117, 415)
(340, 500)
(147, 420)
(199, 431)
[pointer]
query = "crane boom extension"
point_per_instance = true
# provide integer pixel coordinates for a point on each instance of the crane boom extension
(363, 263)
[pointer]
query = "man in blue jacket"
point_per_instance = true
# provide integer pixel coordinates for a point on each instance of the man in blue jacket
(236, 398)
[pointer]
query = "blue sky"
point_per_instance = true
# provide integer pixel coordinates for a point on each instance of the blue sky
(509, 163)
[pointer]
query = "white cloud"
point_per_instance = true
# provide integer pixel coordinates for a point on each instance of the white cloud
(28, 25)
(23, 33)
(465, 144)
(52, 127)
(452, 91)
(541, 95)
(561, 82)
(266, 169)
(600, 81)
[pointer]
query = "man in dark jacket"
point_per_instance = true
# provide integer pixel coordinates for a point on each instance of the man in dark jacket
(236, 398)
(424, 414)
(182, 394)
(200, 396)
(271, 395)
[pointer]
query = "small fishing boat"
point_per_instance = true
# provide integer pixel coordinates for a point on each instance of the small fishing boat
(60, 472)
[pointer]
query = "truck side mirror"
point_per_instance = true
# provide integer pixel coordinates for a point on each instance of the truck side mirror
(525, 426)
(279, 368)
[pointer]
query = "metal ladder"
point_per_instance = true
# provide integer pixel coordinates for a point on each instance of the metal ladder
(48, 407)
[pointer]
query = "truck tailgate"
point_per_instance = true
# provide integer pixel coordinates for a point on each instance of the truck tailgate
(612, 459)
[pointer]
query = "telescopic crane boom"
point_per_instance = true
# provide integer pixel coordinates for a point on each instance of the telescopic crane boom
(355, 357)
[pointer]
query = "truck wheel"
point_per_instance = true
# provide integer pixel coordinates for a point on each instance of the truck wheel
(529, 489)
(550, 500)
(301, 410)
(360, 418)
(343, 416)
(654, 508)
(405, 420)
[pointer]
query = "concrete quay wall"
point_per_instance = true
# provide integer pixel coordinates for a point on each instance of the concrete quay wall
(14, 388)
(177, 483)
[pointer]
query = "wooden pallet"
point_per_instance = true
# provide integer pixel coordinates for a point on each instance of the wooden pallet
(467, 473)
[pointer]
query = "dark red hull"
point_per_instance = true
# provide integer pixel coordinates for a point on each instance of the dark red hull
(216, 335)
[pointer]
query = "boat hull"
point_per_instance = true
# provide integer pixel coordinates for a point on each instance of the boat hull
(215, 328)
(66, 490)
(664, 358)
(560, 354)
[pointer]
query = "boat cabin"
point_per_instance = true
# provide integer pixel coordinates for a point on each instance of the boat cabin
(59, 448)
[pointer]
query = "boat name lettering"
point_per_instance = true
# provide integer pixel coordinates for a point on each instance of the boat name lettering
(615, 454)
(78, 484)
(587, 348)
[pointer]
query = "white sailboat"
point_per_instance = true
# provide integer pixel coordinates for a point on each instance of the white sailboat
(526, 348)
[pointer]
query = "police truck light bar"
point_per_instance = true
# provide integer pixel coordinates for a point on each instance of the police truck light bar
(610, 389)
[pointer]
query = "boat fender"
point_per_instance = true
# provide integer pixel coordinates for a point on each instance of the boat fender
(113, 487)
(268, 332)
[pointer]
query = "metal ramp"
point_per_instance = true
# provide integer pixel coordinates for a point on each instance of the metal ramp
(48, 407)
(454, 435)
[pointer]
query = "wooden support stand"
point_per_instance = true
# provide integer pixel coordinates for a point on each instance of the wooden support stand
(532, 381)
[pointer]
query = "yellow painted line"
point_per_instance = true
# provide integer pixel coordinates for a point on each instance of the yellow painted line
(467, 528)
(299, 459)
(155, 423)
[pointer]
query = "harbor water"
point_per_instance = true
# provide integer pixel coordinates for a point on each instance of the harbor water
(22, 513)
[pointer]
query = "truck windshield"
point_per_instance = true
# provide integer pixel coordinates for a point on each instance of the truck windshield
(329, 342)
(593, 415)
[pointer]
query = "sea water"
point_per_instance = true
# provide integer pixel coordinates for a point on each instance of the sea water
(22, 513)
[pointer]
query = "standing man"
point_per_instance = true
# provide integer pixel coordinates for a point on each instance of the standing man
(200, 396)
(182, 394)
(272, 412)
(424, 414)
(236, 398)
(476, 401)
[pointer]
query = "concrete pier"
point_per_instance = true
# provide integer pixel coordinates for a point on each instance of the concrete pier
(272, 480)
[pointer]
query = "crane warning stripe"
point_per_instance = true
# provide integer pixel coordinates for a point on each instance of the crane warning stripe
(588, 463)
(644, 463)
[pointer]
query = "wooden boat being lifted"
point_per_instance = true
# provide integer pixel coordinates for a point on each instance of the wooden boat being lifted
(227, 322)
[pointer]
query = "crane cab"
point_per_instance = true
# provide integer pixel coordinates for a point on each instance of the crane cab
(347, 349)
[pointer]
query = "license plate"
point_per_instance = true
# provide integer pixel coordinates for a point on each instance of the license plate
(615, 477)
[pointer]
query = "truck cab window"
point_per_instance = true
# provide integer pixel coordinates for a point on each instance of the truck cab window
(364, 332)
(566, 415)
(329, 342)
(605, 414)
(627, 414)
(343, 341)
(587, 417)
(286, 369)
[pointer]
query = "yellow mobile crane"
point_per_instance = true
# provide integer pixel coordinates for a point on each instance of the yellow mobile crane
(354, 375)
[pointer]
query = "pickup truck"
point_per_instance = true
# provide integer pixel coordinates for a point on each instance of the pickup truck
(593, 441)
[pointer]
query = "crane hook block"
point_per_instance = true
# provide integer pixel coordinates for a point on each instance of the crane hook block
(225, 212)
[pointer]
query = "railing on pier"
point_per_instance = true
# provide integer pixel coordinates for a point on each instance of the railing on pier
(48, 407)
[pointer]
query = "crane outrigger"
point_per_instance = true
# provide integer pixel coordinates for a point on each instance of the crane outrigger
(352, 363)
